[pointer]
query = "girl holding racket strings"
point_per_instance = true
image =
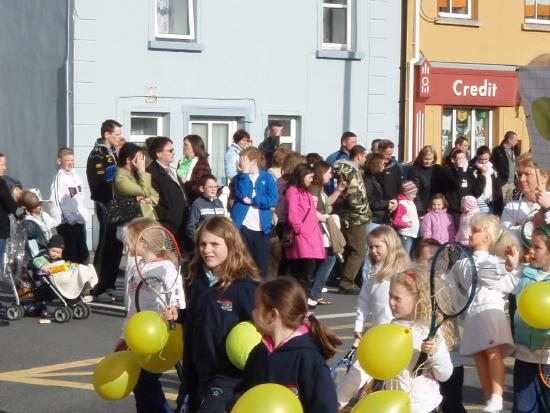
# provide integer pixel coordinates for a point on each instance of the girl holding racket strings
(487, 336)
(160, 266)
(531, 393)
(386, 257)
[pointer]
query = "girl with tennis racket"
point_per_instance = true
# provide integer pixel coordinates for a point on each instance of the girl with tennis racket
(154, 283)
(532, 365)
(386, 257)
(487, 336)
(222, 286)
(410, 305)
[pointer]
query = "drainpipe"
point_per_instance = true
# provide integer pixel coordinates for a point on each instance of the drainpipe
(412, 63)
(67, 77)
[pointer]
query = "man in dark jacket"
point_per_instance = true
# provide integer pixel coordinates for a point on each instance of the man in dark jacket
(392, 177)
(100, 171)
(503, 159)
(271, 142)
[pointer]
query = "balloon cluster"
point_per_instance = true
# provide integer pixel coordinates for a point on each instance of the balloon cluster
(534, 305)
(153, 347)
(384, 351)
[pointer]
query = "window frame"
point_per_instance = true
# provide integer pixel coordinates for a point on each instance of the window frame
(349, 26)
(162, 119)
(192, 36)
(535, 20)
(467, 15)
(472, 138)
(292, 139)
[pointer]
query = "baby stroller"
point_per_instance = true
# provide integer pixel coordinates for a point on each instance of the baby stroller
(33, 291)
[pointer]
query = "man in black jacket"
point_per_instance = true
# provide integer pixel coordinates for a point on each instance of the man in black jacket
(392, 177)
(100, 171)
(172, 206)
(503, 159)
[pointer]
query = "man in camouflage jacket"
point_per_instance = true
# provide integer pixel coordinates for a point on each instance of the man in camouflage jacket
(355, 213)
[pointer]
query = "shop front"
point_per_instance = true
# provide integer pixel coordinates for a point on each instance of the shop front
(479, 104)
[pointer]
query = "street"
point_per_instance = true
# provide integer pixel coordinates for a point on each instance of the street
(49, 367)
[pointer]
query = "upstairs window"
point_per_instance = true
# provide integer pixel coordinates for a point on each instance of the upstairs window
(537, 11)
(455, 8)
(337, 24)
(175, 19)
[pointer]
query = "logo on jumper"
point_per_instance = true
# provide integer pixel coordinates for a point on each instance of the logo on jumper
(73, 191)
(225, 304)
(293, 388)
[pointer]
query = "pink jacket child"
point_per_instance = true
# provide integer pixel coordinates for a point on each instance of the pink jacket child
(308, 240)
(438, 226)
(469, 207)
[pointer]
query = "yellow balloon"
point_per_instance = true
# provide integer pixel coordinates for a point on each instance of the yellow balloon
(116, 375)
(386, 401)
(534, 305)
(268, 398)
(385, 350)
(146, 333)
(240, 341)
(166, 358)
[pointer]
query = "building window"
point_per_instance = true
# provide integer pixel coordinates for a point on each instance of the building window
(475, 124)
(175, 19)
(455, 8)
(217, 134)
(291, 130)
(337, 24)
(144, 125)
(537, 11)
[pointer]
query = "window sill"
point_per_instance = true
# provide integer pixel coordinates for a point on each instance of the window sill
(339, 54)
(535, 27)
(176, 46)
(456, 21)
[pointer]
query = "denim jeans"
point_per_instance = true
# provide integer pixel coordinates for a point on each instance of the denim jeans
(321, 275)
(149, 395)
(366, 264)
(407, 243)
(530, 394)
(3, 244)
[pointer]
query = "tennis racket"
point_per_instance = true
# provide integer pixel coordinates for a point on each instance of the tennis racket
(450, 296)
(346, 362)
(544, 363)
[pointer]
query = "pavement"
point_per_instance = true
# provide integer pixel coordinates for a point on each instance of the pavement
(49, 367)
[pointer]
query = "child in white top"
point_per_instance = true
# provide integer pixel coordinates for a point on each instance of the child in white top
(405, 216)
(487, 336)
(67, 200)
(410, 305)
(386, 257)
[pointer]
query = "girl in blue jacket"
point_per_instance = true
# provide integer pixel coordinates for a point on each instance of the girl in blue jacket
(294, 348)
(223, 282)
(530, 393)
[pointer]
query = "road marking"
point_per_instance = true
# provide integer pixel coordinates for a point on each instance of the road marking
(337, 315)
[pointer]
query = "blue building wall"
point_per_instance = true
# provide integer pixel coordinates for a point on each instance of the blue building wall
(255, 58)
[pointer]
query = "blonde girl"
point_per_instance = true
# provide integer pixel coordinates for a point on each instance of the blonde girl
(223, 282)
(487, 336)
(148, 392)
(294, 348)
(386, 257)
(410, 305)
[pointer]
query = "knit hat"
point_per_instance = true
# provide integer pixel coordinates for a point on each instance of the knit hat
(469, 203)
(408, 188)
(56, 242)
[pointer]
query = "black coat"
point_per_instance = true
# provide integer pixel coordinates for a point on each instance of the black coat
(429, 181)
(7, 207)
(499, 159)
(172, 207)
(455, 186)
(476, 182)
(375, 195)
(391, 180)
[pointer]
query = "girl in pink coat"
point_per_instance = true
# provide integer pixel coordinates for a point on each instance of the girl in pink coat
(307, 250)
(438, 223)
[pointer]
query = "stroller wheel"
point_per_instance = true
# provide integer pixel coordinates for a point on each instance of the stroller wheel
(81, 311)
(62, 314)
(14, 312)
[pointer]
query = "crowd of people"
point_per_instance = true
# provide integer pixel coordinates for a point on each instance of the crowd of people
(264, 248)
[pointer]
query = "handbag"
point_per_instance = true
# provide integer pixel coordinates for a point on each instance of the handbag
(286, 233)
(120, 211)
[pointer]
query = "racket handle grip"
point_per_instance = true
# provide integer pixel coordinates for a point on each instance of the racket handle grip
(421, 360)
(172, 324)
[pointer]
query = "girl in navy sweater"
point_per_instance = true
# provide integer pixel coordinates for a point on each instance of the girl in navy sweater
(294, 347)
(223, 282)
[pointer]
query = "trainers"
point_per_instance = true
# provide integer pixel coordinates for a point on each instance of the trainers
(115, 293)
(349, 291)
(324, 290)
(311, 303)
(104, 298)
(87, 298)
